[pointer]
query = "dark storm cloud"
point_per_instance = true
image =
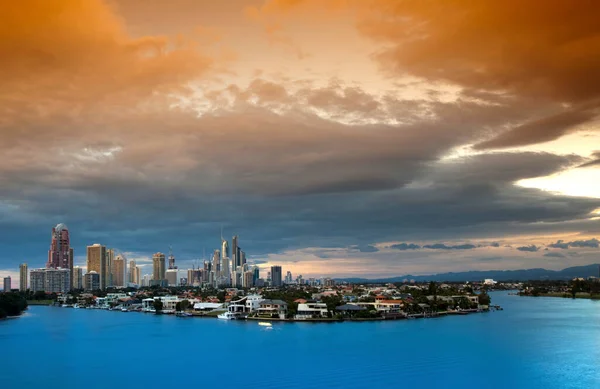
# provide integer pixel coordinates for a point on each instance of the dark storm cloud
(530, 248)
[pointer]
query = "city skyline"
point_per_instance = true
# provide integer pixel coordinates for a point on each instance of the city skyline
(387, 138)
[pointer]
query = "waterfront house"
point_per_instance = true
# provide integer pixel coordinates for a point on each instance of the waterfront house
(273, 308)
(349, 309)
(253, 302)
(384, 306)
(311, 310)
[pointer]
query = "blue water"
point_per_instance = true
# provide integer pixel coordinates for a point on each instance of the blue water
(533, 343)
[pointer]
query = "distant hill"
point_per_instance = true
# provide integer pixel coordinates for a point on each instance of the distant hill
(498, 275)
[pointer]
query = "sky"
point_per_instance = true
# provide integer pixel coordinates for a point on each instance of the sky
(347, 138)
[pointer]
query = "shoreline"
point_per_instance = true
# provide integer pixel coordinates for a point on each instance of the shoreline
(320, 320)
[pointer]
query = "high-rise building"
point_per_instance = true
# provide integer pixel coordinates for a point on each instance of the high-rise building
(146, 280)
(138, 275)
(256, 275)
(77, 277)
(158, 268)
(96, 261)
(171, 259)
(37, 280)
(288, 278)
(57, 280)
(23, 277)
(92, 280)
(131, 274)
(118, 271)
(7, 284)
(110, 258)
(275, 275)
(217, 263)
(224, 248)
(248, 280)
(60, 254)
(172, 276)
(234, 252)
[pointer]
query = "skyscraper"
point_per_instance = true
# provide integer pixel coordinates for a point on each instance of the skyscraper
(234, 252)
(23, 277)
(171, 259)
(110, 257)
(96, 261)
(275, 275)
(60, 254)
(158, 267)
(77, 277)
(134, 273)
(217, 262)
(288, 278)
(7, 284)
(118, 271)
(224, 248)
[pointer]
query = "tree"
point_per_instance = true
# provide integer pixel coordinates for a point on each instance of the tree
(158, 305)
(185, 304)
(484, 298)
(178, 306)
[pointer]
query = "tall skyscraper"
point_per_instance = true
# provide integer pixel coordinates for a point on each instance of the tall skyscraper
(256, 275)
(60, 254)
(171, 259)
(217, 262)
(234, 252)
(23, 277)
(7, 284)
(118, 271)
(158, 267)
(288, 278)
(275, 275)
(134, 273)
(224, 248)
(77, 277)
(110, 257)
(96, 261)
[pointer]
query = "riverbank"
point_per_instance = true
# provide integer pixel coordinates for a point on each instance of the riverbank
(582, 295)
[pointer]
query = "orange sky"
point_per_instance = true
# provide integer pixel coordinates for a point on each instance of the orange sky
(304, 117)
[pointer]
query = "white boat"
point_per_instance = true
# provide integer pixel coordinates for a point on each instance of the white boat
(229, 316)
(124, 309)
(76, 306)
(264, 323)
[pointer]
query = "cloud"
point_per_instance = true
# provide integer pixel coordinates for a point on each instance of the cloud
(595, 161)
(441, 246)
(365, 248)
(540, 130)
(405, 246)
(593, 243)
(531, 248)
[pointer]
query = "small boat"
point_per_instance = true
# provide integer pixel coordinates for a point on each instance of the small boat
(124, 309)
(265, 324)
(183, 314)
(76, 306)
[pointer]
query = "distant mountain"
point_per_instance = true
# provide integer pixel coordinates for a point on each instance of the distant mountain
(498, 275)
